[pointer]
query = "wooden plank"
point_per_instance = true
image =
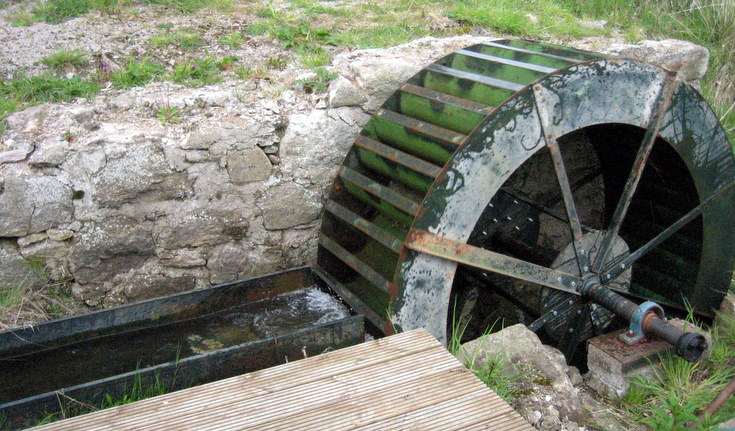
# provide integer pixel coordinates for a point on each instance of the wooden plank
(407, 381)
(271, 379)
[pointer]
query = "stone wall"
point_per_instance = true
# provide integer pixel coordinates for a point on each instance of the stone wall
(103, 195)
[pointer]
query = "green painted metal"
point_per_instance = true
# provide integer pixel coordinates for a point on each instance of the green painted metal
(453, 113)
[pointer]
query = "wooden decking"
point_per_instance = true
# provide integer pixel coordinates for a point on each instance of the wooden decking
(403, 382)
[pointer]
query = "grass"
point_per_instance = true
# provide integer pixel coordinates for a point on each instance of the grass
(140, 390)
(495, 372)
(313, 58)
(184, 37)
(136, 73)
(318, 83)
(66, 60)
(233, 40)
(379, 36)
(21, 18)
(168, 114)
(196, 72)
(532, 18)
(680, 389)
(25, 91)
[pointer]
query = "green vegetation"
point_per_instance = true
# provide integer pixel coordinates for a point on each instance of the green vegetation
(313, 58)
(136, 73)
(319, 82)
(680, 389)
(25, 91)
(21, 18)
(379, 36)
(45, 88)
(184, 37)
(710, 23)
(277, 62)
(168, 114)
(66, 60)
(196, 72)
(233, 40)
(534, 18)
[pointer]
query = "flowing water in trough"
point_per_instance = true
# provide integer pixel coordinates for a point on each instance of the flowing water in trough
(110, 355)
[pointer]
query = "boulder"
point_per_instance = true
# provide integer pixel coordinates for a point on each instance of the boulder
(315, 144)
(519, 345)
(687, 58)
(548, 398)
(16, 271)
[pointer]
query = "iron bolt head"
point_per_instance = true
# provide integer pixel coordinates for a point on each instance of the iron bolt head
(586, 269)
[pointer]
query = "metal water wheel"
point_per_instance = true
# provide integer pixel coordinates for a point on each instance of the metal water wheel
(527, 181)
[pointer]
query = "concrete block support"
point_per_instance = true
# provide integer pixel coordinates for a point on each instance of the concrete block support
(612, 363)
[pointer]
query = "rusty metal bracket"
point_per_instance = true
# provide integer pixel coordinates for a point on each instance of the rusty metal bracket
(635, 330)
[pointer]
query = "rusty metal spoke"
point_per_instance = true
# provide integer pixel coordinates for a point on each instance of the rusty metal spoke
(547, 131)
(476, 257)
(620, 263)
(654, 125)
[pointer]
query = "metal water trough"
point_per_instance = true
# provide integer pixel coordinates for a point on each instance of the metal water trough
(160, 341)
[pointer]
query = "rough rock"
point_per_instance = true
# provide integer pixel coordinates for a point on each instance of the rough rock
(689, 59)
(199, 228)
(315, 144)
(183, 258)
(343, 92)
(33, 204)
(49, 258)
(138, 173)
(551, 400)
(12, 156)
(289, 205)
(148, 281)
(60, 234)
(247, 166)
(99, 250)
(33, 238)
(50, 152)
(517, 343)
(16, 271)
(236, 261)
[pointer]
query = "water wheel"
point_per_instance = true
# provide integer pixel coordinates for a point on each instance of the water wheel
(495, 181)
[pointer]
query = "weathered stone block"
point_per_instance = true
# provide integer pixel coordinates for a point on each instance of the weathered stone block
(102, 249)
(202, 228)
(16, 271)
(140, 172)
(289, 205)
(247, 166)
(33, 204)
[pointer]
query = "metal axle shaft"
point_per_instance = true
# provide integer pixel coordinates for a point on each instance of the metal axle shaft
(648, 317)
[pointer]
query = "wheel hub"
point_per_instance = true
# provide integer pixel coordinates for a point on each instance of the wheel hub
(567, 305)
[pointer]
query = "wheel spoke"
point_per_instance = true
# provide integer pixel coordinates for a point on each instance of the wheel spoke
(618, 265)
(466, 254)
(561, 175)
(654, 125)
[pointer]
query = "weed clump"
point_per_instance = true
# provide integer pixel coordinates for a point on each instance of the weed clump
(319, 82)
(196, 72)
(136, 74)
(66, 60)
